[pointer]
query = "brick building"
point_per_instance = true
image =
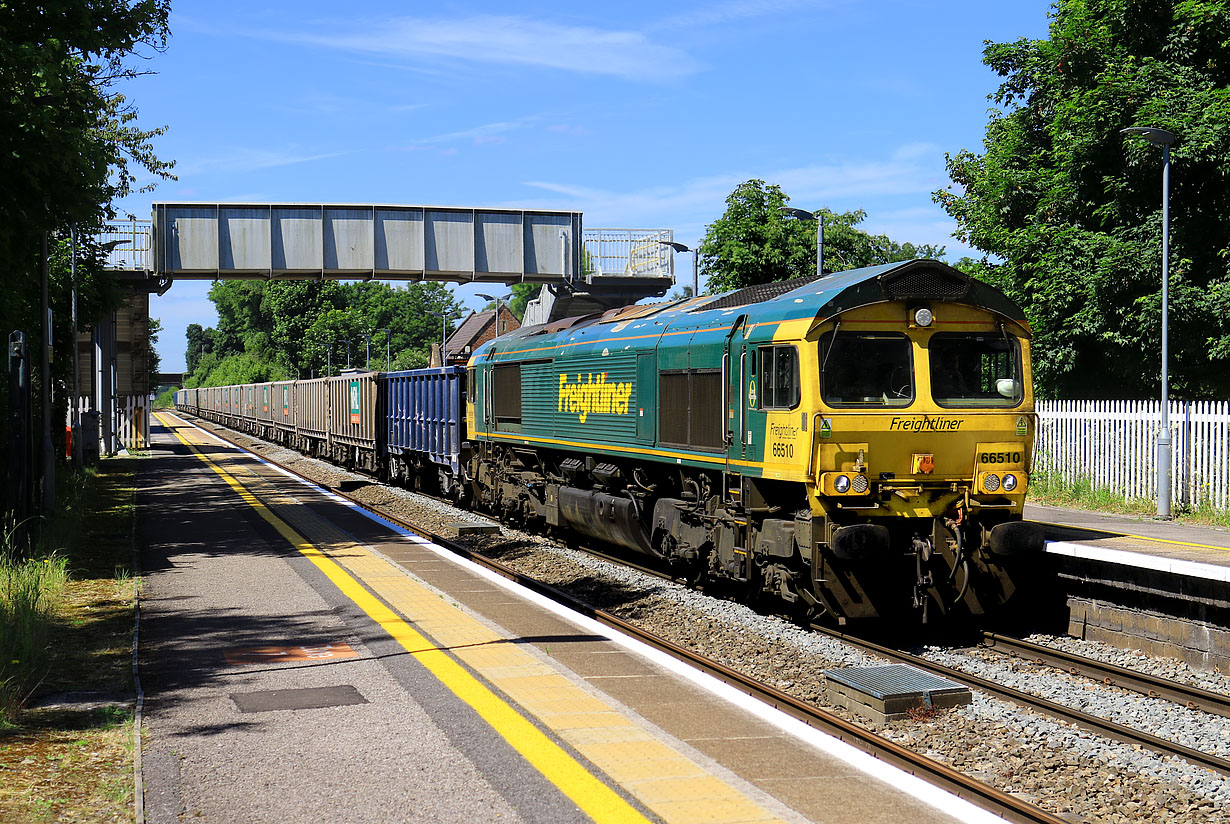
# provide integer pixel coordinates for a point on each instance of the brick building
(476, 330)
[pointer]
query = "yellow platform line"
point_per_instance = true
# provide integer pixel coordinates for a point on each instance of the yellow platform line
(595, 798)
(1112, 535)
(667, 781)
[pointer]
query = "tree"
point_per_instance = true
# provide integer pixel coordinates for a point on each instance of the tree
(66, 140)
(752, 242)
(153, 360)
(523, 293)
(198, 345)
(289, 329)
(68, 145)
(1070, 209)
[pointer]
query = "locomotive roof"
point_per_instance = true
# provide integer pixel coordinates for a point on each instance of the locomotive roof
(820, 298)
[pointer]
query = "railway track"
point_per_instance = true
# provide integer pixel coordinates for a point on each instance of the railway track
(1006, 805)
(1108, 674)
(1111, 674)
(1094, 723)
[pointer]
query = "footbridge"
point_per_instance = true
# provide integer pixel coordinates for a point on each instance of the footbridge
(580, 270)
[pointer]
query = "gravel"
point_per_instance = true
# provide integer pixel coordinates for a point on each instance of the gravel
(1063, 769)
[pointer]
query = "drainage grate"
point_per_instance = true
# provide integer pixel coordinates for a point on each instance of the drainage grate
(889, 693)
(313, 698)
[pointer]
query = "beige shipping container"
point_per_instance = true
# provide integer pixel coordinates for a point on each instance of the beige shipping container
(264, 402)
(311, 399)
(282, 405)
(352, 409)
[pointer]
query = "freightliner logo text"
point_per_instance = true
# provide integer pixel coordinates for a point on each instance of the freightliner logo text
(593, 396)
(925, 424)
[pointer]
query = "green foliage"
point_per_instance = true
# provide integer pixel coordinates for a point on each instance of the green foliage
(240, 367)
(523, 293)
(198, 344)
(66, 141)
(68, 147)
(288, 329)
(752, 242)
(165, 399)
(1070, 209)
(153, 359)
(31, 584)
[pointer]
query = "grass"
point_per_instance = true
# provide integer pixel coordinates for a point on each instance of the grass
(1052, 489)
(165, 399)
(30, 593)
(71, 764)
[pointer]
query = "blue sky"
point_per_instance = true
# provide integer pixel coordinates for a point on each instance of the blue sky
(640, 115)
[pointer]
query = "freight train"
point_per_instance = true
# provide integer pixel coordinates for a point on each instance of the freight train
(857, 445)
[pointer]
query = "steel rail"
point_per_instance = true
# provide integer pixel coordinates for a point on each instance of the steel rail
(1094, 723)
(934, 772)
(1111, 674)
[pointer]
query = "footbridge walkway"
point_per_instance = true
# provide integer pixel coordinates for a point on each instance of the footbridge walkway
(581, 270)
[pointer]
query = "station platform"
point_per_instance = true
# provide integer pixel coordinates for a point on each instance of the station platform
(1142, 583)
(1148, 543)
(304, 661)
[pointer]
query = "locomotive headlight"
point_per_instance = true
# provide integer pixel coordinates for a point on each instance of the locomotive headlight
(923, 317)
(1009, 483)
(860, 484)
(841, 484)
(990, 482)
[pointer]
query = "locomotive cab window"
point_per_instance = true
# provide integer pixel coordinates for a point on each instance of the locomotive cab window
(779, 377)
(866, 369)
(975, 370)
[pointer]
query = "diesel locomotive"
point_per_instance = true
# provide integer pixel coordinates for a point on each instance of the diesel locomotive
(857, 445)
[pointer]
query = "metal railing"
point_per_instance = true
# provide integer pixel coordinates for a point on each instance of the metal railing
(131, 244)
(629, 252)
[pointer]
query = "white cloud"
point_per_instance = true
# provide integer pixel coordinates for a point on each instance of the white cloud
(509, 40)
(486, 133)
(245, 159)
(729, 12)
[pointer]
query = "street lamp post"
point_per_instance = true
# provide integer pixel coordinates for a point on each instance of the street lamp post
(496, 301)
(388, 349)
(1162, 138)
(443, 316)
(679, 247)
(803, 214)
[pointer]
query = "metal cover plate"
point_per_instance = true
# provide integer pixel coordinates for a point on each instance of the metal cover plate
(893, 681)
(313, 698)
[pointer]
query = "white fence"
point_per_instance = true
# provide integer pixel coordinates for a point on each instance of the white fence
(1113, 444)
(131, 421)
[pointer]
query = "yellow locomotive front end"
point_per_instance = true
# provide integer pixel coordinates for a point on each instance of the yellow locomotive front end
(922, 452)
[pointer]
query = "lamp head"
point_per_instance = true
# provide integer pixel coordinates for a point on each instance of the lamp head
(1159, 136)
(678, 247)
(801, 214)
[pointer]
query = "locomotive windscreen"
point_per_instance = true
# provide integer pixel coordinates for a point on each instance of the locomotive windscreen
(975, 370)
(866, 369)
